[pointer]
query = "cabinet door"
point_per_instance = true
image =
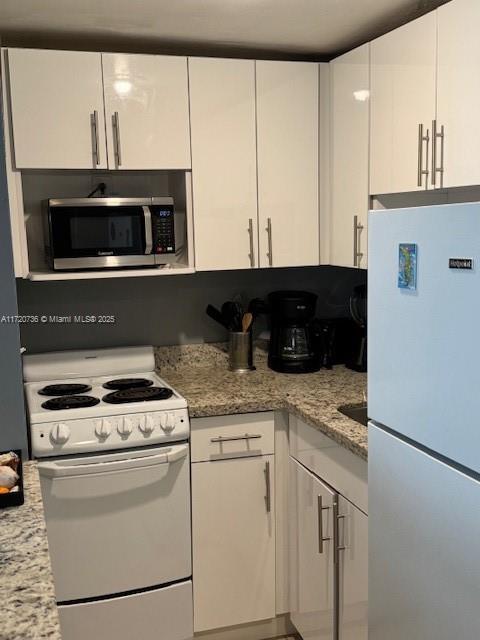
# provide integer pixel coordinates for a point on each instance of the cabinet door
(222, 111)
(403, 64)
(311, 559)
(57, 109)
(458, 93)
(349, 139)
(287, 134)
(353, 572)
(233, 506)
(146, 106)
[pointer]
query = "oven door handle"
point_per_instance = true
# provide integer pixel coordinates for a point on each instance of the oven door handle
(58, 470)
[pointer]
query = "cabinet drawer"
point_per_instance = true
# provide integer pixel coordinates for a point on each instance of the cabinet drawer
(346, 472)
(222, 437)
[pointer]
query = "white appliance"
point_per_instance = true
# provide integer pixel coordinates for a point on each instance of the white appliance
(424, 434)
(112, 439)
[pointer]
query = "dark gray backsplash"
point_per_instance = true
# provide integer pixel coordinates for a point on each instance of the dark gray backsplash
(164, 310)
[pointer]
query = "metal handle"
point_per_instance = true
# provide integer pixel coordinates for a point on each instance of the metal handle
(420, 170)
(61, 468)
(247, 436)
(357, 255)
(435, 136)
(268, 492)
(321, 538)
(420, 155)
(147, 220)
(251, 255)
(95, 140)
(116, 130)
(269, 234)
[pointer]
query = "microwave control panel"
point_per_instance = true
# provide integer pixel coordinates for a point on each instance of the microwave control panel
(163, 229)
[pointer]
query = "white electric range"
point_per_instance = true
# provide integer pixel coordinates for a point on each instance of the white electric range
(112, 439)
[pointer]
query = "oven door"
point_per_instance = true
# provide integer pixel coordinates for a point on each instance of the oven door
(99, 232)
(117, 522)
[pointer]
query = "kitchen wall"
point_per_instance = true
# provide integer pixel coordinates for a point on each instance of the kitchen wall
(166, 309)
(13, 433)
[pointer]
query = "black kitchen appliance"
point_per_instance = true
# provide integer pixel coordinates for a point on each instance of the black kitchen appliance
(358, 312)
(294, 340)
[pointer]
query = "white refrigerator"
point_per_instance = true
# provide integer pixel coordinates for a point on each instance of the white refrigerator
(424, 433)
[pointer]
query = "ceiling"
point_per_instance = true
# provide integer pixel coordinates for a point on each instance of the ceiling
(305, 28)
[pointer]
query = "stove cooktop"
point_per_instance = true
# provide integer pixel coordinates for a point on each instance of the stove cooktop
(87, 397)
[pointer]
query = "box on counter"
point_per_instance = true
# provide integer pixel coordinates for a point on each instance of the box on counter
(11, 479)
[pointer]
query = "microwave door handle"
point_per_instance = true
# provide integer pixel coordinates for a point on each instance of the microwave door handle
(57, 470)
(147, 219)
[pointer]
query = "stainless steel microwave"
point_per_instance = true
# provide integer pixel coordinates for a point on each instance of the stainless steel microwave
(104, 233)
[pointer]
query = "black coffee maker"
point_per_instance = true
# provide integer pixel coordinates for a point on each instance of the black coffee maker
(294, 337)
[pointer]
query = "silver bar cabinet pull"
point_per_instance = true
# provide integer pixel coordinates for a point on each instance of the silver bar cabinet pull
(357, 229)
(251, 255)
(269, 233)
(420, 155)
(116, 129)
(421, 171)
(435, 136)
(268, 493)
(247, 436)
(321, 538)
(95, 141)
(434, 152)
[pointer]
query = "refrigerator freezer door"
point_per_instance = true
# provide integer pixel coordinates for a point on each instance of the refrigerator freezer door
(424, 344)
(424, 542)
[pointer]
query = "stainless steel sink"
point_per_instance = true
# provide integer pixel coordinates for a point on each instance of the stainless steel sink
(357, 413)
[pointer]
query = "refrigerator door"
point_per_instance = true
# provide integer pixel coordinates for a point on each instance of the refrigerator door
(424, 343)
(424, 542)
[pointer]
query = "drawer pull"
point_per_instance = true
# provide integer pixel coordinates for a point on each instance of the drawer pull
(247, 436)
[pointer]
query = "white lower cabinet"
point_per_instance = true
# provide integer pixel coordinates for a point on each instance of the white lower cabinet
(353, 572)
(312, 584)
(233, 521)
(328, 546)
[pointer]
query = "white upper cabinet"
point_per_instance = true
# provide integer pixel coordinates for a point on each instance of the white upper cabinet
(57, 109)
(146, 107)
(349, 77)
(458, 92)
(288, 178)
(403, 92)
(224, 166)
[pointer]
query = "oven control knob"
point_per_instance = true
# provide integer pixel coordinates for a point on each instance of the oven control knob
(147, 426)
(167, 422)
(103, 429)
(60, 433)
(125, 427)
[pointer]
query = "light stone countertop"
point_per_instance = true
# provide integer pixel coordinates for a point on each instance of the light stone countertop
(27, 597)
(200, 373)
